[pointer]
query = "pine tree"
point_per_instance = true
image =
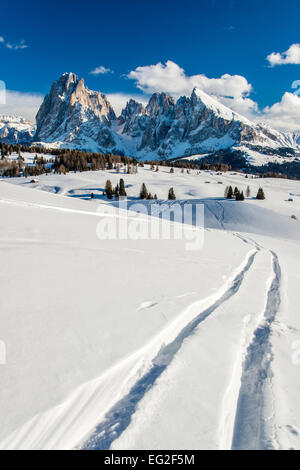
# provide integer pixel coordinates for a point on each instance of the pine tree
(122, 191)
(172, 170)
(260, 194)
(230, 193)
(143, 192)
(108, 189)
(171, 195)
(248, 191)
(116, 191)
(240, 196)
(226, 192)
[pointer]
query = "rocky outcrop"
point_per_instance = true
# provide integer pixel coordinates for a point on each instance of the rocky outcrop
(72, 113)
(131, 110)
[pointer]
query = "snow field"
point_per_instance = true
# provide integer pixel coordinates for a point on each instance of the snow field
(142, 344)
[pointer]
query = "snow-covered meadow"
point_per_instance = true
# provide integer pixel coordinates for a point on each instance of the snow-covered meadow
(144, 344)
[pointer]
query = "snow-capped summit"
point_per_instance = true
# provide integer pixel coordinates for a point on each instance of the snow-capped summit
(5, 118)
(200, 97)
(71, 113)
(15, 129)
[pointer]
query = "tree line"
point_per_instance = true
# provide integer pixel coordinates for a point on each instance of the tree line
(238, 195)
(119, 191)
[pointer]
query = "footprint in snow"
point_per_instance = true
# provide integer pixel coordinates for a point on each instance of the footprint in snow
(292, 430)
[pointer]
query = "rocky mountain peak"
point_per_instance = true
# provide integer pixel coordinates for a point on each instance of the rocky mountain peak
(160, 103)
(68, 79)
(70, 104)
(132, 109)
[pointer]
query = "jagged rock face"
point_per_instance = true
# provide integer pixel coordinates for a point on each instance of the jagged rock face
(65, 112)
(16, 130)
(189, 123)
(195, 125)
(160, 104)
(131, 110)
(76, 117)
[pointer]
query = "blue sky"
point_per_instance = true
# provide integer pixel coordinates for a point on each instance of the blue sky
(213, 38)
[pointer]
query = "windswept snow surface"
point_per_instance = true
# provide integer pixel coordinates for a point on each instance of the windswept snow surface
(141, 344)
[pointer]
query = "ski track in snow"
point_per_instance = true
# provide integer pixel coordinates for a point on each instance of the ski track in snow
(254, 426)
(254, 423)
(119, 416)
(147, 304)
(254, 419)
(222, 216)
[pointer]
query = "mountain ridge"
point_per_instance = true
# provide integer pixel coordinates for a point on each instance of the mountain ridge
(75, 117)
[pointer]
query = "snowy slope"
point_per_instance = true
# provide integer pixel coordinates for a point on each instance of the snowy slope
(207, 187)
(145, 326)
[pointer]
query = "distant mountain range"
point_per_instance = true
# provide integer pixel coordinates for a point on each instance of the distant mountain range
(75, 117)
(16, 130)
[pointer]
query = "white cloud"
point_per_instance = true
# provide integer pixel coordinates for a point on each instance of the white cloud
(17, 46)
(119, 100)
(291, 56)
(284, 115)
(22, 104)
(14, 46)
(101, 70)
(232, 90)
(172, 78)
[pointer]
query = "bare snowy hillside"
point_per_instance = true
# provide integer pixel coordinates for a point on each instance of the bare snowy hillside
(143, 344)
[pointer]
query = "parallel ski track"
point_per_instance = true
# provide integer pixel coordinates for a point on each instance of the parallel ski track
(254, 426)
(119, 416)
